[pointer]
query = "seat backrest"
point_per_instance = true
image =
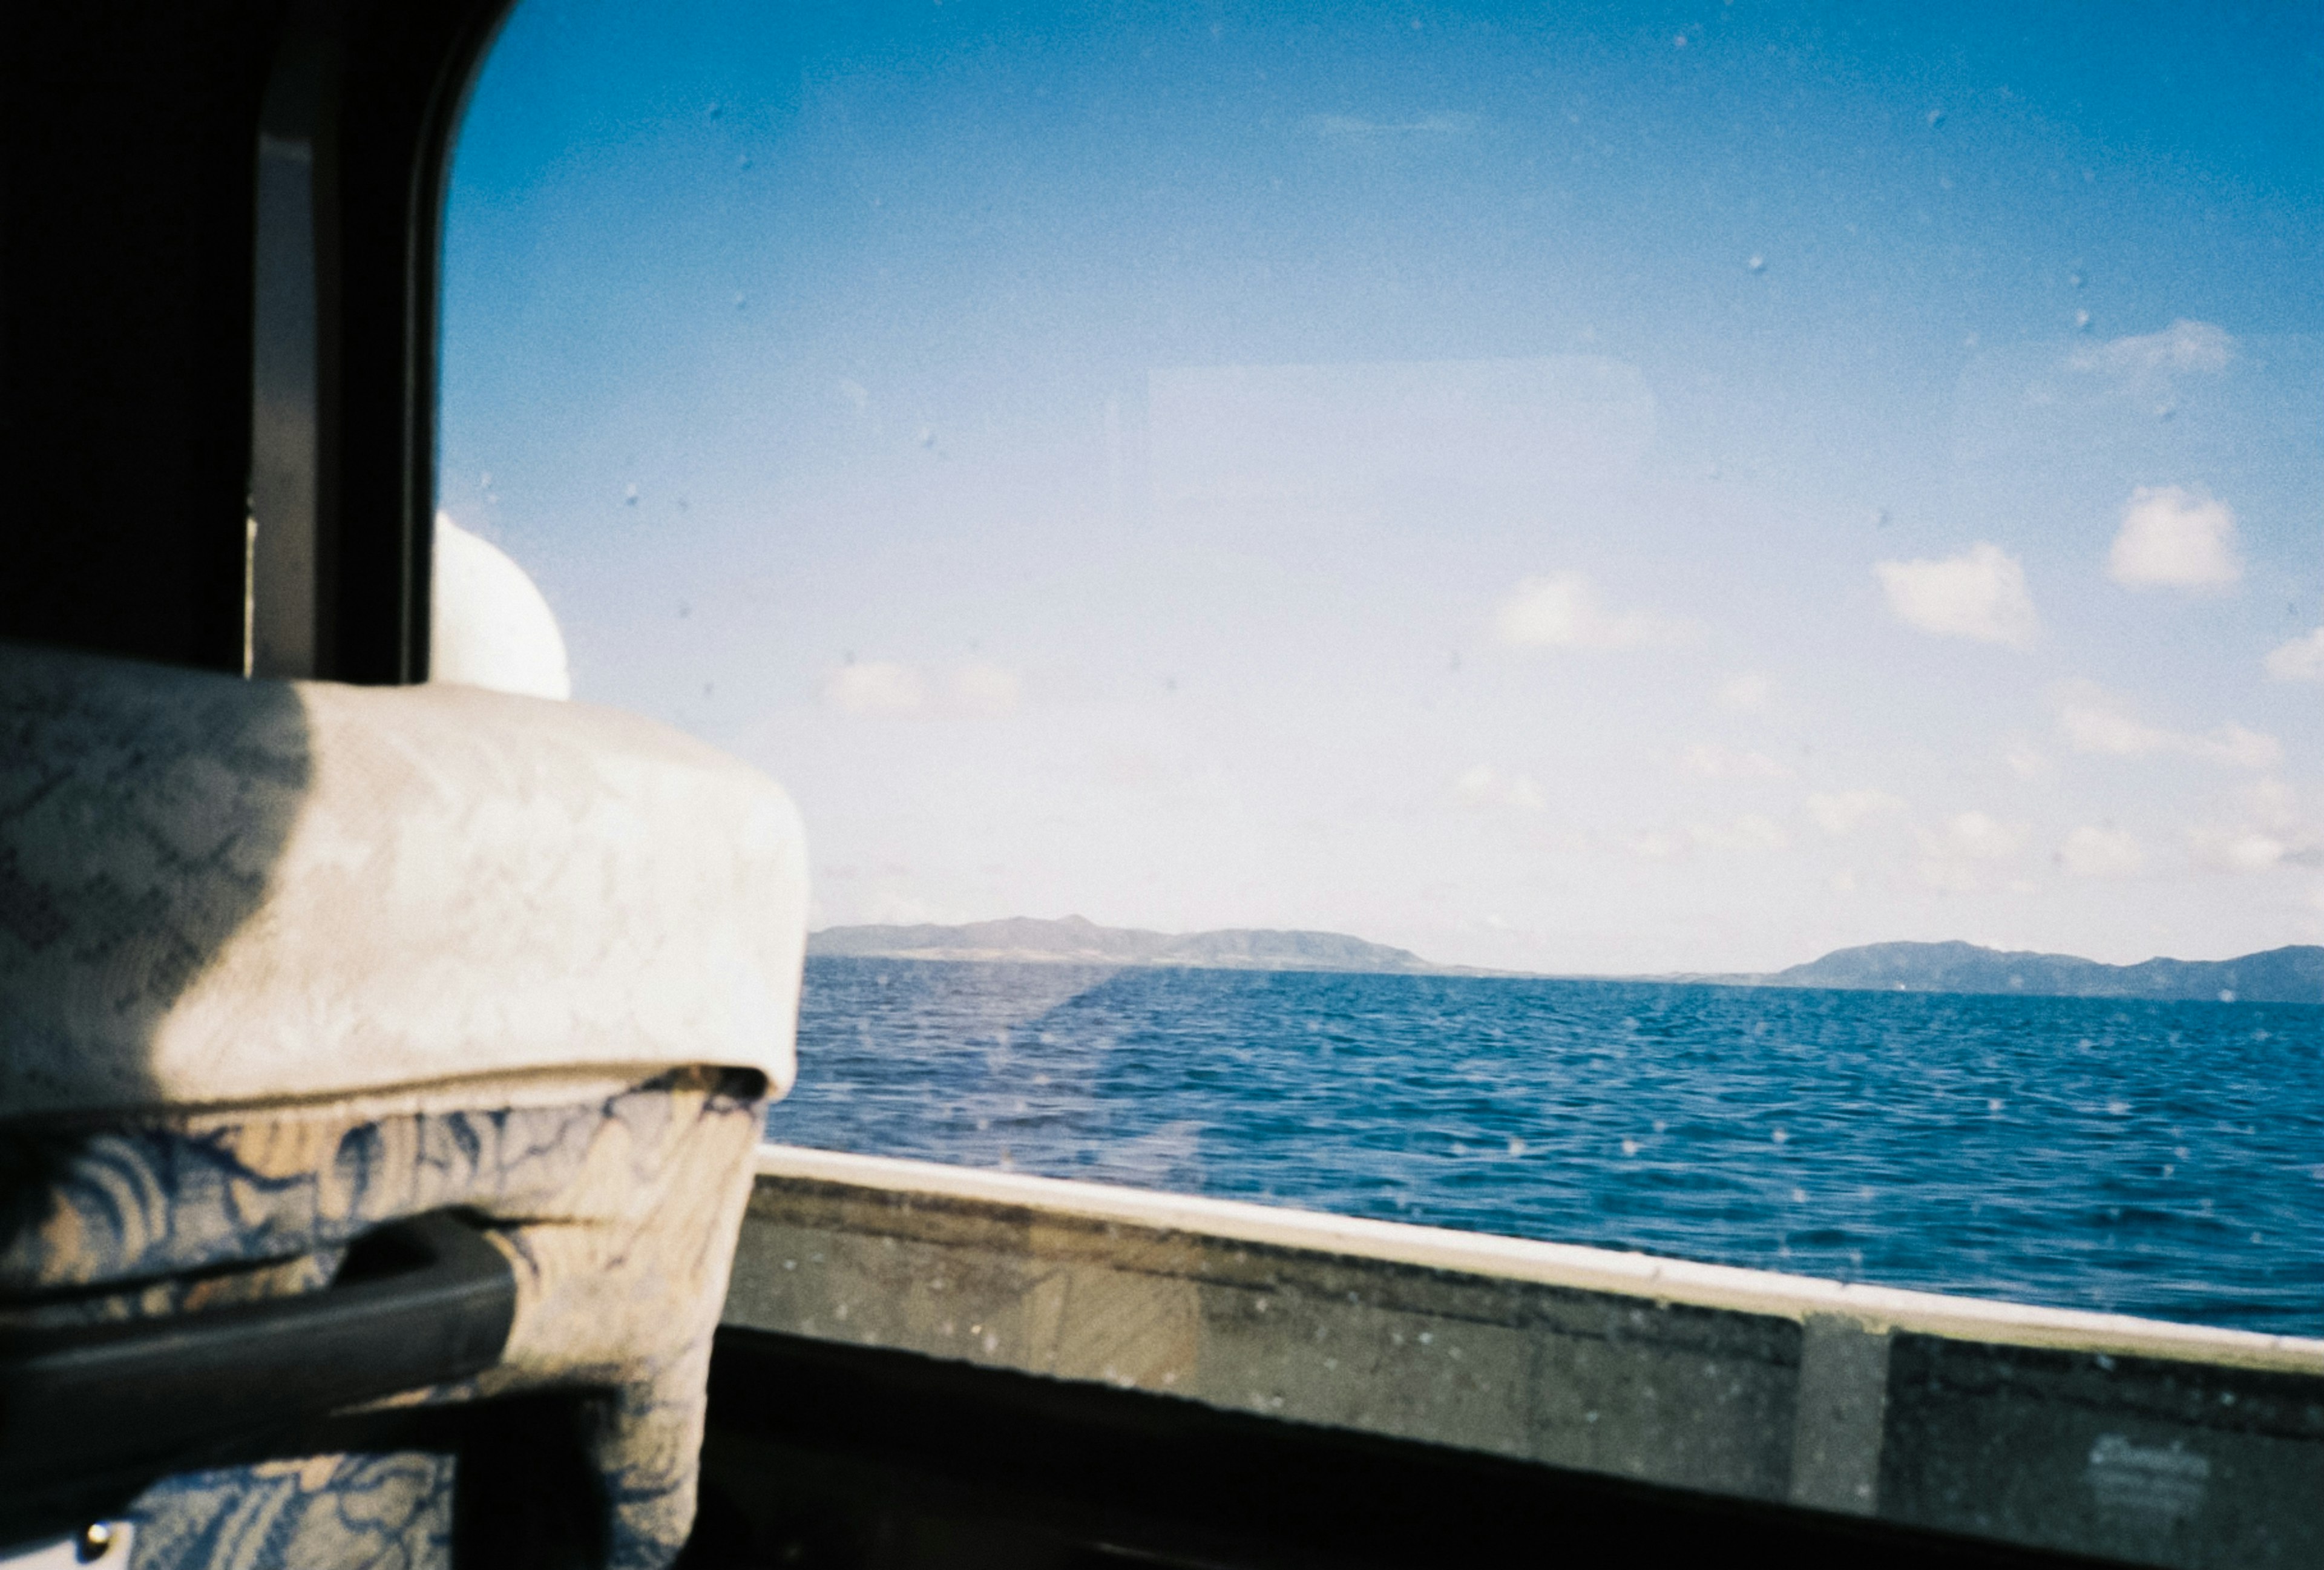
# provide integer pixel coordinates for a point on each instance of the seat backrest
(288, 965)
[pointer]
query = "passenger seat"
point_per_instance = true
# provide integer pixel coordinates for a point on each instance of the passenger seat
(380, 1077)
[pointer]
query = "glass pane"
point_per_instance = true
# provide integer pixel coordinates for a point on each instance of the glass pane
(1459, 581)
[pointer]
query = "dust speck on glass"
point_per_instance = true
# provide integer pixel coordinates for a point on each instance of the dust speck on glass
(1499, 564)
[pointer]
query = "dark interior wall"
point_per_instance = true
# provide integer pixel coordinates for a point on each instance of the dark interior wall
(821, 1455)
(127, 209)
(129, 132)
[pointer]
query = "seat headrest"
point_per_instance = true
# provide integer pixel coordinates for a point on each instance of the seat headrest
(217, 891)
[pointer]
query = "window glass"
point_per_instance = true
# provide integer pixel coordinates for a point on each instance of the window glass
(1397, 609)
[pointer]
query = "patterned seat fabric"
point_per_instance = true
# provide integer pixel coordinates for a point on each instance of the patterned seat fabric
(618, 1209)
(282, 963)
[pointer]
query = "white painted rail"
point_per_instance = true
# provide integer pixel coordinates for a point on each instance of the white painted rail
(1633, 1275)
(2135, 1439)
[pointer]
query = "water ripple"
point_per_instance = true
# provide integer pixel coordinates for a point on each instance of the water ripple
(2157, 1158)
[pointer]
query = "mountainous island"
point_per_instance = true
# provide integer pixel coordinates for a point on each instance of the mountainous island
(2294, 974)
(1075, 940)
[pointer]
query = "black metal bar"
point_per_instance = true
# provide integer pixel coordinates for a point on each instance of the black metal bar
(107, 1398)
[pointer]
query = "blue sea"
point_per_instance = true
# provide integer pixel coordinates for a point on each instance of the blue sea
(2164, 1159)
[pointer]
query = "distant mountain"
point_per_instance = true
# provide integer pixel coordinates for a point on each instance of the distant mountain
(2279, 976)
(1075, 940)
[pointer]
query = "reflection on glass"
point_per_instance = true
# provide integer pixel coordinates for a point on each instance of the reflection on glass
(1633, 494)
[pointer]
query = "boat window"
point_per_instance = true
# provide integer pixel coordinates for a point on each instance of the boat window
(1695, 628)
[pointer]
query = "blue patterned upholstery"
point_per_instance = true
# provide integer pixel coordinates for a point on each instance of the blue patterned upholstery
(619, 1213)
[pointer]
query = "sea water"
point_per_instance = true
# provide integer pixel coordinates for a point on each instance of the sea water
(2157, 1158)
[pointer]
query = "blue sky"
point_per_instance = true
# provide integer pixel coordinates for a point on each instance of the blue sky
(1577, 488)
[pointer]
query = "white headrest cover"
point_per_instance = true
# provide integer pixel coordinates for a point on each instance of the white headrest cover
(218, 891)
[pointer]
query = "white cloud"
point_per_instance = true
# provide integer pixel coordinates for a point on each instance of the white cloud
(2092, 852)
(1842, 812)
(980, 688)
(1980, 593)
(875, 686)
(2093, 723)
(2232, 744)
(1485, 786)
(2183, 345)
(1717, 762)
(2175, 537)
(2301, 659)
(2248, 850)
(2273, 832)
(1979, 835)
(1563, 611)
(1746, 690)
